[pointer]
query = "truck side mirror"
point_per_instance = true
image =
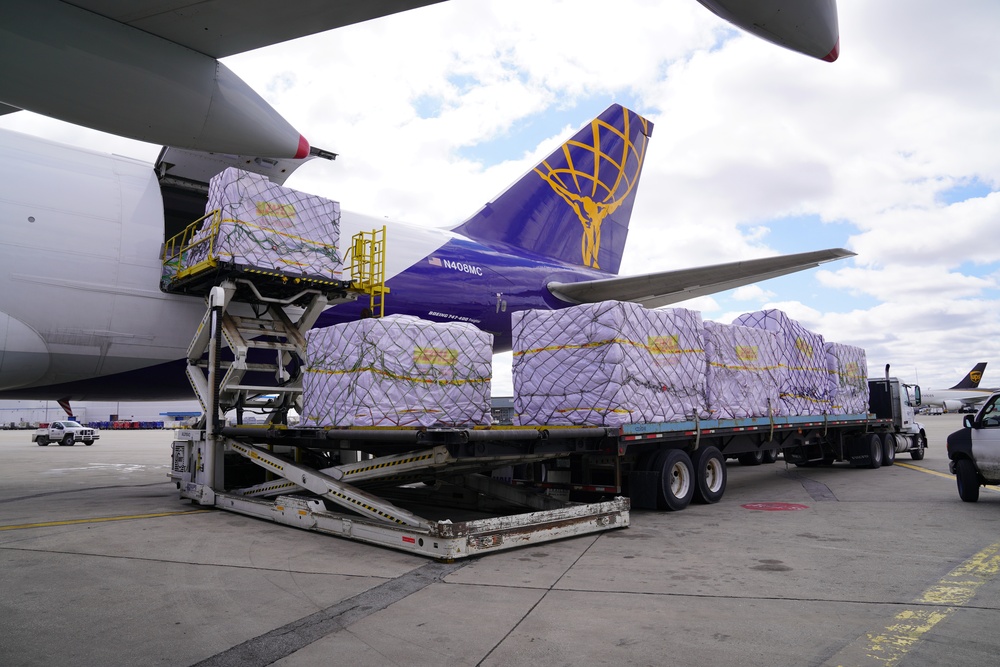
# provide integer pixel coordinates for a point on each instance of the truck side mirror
(967, 421)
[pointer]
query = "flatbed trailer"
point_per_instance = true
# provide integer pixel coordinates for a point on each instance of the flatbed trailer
(451, 493)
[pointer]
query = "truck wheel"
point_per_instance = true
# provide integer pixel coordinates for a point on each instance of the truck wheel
(676, 480)
(888, 449)
(968, 480)
(88, 442)
(709, 474)
(751, 458)
(68, 440)
(43, 442)
(874, 451)
(770, 455)
(917, 453)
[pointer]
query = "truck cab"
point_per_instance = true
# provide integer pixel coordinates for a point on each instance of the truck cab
(975, 450)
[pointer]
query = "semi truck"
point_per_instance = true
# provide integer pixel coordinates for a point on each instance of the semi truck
(455, 492)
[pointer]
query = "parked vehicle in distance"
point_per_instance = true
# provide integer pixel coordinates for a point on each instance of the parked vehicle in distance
(66, 433)
(974, 450)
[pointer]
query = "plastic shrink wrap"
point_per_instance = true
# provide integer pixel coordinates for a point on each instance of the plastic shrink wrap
(745, 372)
(269, 227)
(848, 377)
(607, 364)
(805, 389)
(397, 371)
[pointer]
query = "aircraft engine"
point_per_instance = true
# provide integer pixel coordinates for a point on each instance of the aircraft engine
(952, 406)
(806, 26)
(86, 69)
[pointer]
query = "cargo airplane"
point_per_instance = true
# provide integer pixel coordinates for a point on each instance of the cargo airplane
(965, 394)
(82, 316)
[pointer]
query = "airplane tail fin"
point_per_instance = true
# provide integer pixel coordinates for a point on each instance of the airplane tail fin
(971, 381)
(574, 207)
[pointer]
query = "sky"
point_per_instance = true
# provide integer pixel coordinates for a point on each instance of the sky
(890, 152)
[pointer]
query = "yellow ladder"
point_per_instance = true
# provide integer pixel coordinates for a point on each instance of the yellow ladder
(368, 268)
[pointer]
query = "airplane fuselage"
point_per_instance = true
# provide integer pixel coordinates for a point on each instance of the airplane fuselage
(80, 271)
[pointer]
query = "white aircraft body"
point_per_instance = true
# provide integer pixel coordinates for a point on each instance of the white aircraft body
(82, 316)
(965, 394)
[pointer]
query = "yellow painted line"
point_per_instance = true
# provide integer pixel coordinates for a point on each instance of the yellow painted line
(890, 645)
(71, 522)
(946, 475)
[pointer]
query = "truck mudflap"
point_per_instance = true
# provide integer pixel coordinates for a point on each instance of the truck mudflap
(443, 540)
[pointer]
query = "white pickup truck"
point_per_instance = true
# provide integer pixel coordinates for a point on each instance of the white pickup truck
(66, 433)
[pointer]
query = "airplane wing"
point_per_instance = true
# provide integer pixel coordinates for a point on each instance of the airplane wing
(221, 28)
(660, 289)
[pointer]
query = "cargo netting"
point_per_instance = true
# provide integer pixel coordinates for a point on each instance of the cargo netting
(263, 226)
(805, 389)
(848, 375)
(397, 371)
(745, 372)
(608, 364)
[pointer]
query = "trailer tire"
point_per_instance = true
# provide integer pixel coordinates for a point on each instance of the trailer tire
(917, 453)
(676, 480)
(68, 440)
(751, 458)
(968, 480)
(888, 448)
(874, 451)
(710, 474)
(770, 455)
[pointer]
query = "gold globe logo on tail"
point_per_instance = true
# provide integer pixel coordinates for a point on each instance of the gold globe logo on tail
(976, 376)
(596, 193)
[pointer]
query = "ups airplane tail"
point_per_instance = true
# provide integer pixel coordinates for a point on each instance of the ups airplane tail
(972, 379)
(574, 207)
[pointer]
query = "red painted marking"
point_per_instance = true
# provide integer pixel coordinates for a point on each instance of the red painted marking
(303, 149)
(830, 57)
(775, 507)
(410, 540)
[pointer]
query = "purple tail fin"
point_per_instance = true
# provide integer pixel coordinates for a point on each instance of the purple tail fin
(574, 207)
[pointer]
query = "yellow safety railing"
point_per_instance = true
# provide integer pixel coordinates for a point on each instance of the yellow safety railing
(368, 268)
(203, 230)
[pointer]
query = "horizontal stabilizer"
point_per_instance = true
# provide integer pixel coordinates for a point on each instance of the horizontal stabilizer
(653, 290)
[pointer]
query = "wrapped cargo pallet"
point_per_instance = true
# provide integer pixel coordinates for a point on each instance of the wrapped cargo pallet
(397, 371)
(847, 366)
(268, 227)
(805, 390)
(607, 364)
(744, 372)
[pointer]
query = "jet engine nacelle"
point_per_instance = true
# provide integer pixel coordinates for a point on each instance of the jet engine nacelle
(806, 26)
(952, 406)
(86, 69)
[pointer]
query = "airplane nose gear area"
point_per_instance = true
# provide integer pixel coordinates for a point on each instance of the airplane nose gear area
(24, 357)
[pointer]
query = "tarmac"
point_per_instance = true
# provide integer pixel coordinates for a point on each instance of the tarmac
(101, 563)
